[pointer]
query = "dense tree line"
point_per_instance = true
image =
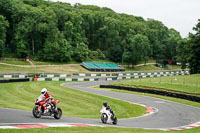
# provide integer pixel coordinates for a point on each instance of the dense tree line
(57, 31)
(188, 50)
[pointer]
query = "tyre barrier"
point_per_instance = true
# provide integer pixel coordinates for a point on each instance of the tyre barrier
(187, 96)
(66, 79)
(15, 80)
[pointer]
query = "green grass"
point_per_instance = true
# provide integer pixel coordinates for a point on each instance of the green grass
(93, 130)
(48, 63)
(15, 62)
(187, 83)
(4, 69)
(151, 67)
(142, 68)
(73, 102)
(46, 69)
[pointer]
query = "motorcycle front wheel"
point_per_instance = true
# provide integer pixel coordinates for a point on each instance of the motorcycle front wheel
(36, 112)
(115, 121)
(104, 118)
(58, 113)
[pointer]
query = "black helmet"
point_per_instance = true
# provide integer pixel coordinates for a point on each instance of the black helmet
(105, 104)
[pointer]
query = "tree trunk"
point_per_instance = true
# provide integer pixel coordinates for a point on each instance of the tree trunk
(33, 45)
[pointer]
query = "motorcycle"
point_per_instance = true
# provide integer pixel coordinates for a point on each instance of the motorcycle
(43, 108)
(107, 116)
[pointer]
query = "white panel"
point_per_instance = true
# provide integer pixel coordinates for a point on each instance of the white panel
(103, 75)
(7, 76)
(67, 79)
(109, 78)
(120, 74)
(80, 79)
(119, 77)
(91, 79)
(63, 75)
(93, 75)
(21, 76)
(40, 79)
(55, 79)
(81, 74)
(50, 76)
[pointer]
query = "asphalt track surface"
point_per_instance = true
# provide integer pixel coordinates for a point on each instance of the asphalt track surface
(168, 114)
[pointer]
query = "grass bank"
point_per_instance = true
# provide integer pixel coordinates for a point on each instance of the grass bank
(186, 83)
(73, 102)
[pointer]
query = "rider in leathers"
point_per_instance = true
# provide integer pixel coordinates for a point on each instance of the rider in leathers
(105, 104)
(48, 98)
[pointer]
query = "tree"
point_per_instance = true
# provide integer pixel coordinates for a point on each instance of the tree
(80, 52)
(193, 50)
(171, 43)
(157, 34)
(181, 53)
(137, 49)
(3, 30)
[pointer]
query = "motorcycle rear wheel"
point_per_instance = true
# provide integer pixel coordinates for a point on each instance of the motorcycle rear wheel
(36, 113)
(58, 113)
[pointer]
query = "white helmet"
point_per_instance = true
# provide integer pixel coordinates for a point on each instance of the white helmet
(44, 91)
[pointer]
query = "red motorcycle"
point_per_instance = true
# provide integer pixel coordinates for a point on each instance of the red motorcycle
(42, 107)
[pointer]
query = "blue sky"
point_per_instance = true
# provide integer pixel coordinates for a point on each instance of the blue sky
(181, 15)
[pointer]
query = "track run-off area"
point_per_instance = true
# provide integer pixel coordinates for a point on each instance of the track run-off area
(162, 114)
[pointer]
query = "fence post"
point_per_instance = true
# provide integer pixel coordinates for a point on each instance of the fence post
(171, 79)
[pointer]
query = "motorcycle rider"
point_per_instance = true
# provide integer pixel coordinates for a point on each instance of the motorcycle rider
(48, 99)
(105, 105)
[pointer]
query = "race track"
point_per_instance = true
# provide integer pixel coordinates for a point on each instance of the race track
(168, 115)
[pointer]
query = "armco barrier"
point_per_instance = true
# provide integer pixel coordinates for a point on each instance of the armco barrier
(150, 74)
(14, 80)
(158, 92)
(146, 75)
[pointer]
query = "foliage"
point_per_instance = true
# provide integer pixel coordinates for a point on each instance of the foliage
(189, 51)
(56, 31)
(137, 49)
(3, 29)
